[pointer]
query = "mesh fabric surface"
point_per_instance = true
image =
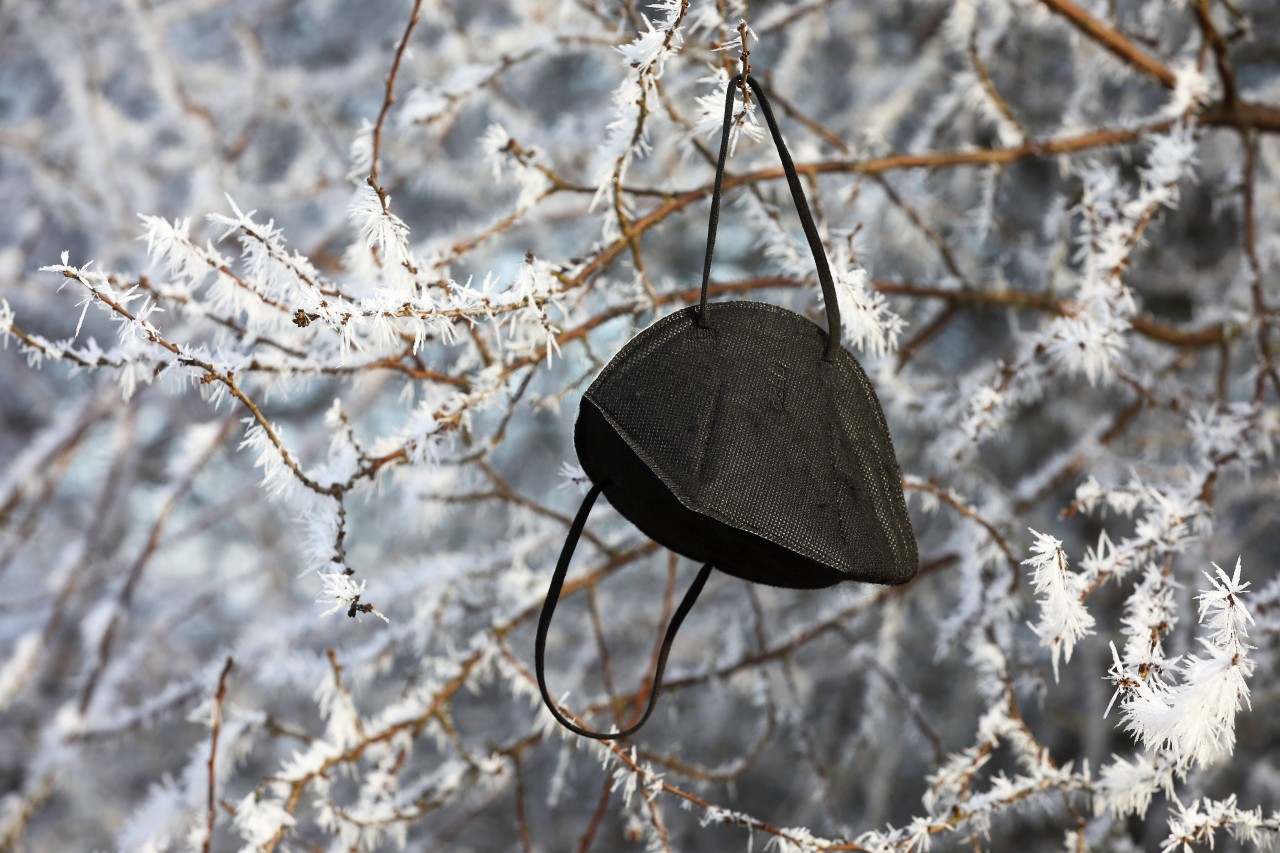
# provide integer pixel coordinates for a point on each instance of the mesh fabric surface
(738, 444)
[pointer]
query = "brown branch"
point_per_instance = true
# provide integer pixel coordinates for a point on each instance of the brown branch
(928, 331)
(955, 818)
(213, 374)
(731, 817)
(415, 725)
(989, 85)
(811, 632)
(917, 219)
(668, 606)
(602, 650)
(969, 512)
(1226, 72)
(1113, 41)
(239, 330)
(55, 465)
(1268, 371)
(393, 363)
(1252, 114)
(1208, 336)
(589, 835)
(103, 516)
(124, 598)
(522, 821)
(742, 759)
(213, 748)
(1243, 115)
(389, 98)
(1120, 422)
(503, 490)
(912, 709)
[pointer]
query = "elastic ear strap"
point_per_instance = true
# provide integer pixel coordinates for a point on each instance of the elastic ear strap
(802, 209)
(714, 219)
(549, 609)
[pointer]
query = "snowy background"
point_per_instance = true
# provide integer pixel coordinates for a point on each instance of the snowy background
(297, 301)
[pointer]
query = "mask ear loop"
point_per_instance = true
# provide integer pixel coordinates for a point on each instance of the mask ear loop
(549, 609)
(802, 208)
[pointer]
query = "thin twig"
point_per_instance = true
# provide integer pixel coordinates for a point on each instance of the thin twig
(389, 98)
(989, 85)
(522, 821)
(213, 750)
(1226, 71)
(1113, 41)
(1260, 308)
(589, 834)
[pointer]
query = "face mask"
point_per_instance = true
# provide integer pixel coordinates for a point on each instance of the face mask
(743, 436)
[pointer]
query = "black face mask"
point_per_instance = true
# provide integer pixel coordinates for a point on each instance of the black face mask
(741, 435)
